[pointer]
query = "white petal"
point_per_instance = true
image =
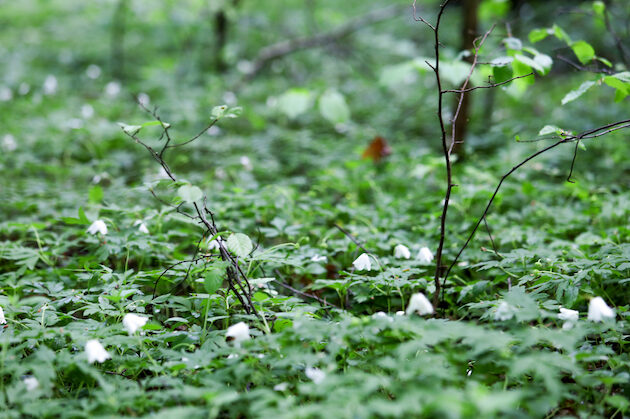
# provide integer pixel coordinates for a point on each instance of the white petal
(133, 322)
(315, 374)
(419, 304)
(95, 351)
(31, 383)
(2, 318)
(318, 258)
(504, 312)
(142, 227)
(402, 252)
(363, 263)
(425, 255)
(98, 226)
(239, 332)
(568, 315)
(598, 310)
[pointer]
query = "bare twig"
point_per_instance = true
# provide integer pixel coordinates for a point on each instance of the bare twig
(304, 294)
(351, 237)
(489, 86)
(281, 49)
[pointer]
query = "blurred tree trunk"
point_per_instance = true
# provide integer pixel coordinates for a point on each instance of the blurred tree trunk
(221, 30)
(118, 27)
(469, 29)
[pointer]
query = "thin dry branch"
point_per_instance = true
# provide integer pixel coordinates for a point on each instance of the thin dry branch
(275, 51)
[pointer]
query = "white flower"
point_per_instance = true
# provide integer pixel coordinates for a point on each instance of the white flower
(133, 322)
(142, 227)
(318, 258)
(98, 226)
(214, 244)
(598, 310)
(95, 351)
(238, 332)
(8, 143)
(50, 85)
(315, 374)
(400, 313)
(402, 252)
(6, 94)
(570, 317)
(363, 263)
(93, 71)
(144, 99)
(87, 111)
(30, 382)
(112, 89)
(281, 387)
(425, 255)
(504, 312)
(419, 304)
(246, 163)
(2, 319)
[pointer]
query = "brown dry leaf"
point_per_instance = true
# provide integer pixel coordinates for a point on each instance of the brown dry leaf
(377, 150)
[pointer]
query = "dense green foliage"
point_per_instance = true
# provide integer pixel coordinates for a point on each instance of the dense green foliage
(280, 175)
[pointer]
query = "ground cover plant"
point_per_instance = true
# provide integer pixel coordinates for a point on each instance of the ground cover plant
(213, 209)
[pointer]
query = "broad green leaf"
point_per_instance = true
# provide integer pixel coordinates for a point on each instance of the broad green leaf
(393, 76)
(529, 62)
(561, 34)
(544, 61)
(621, 83)
(454, 72)
(333, 107)
(502, 74)
(583, 51)
(574, 94)
(539, 34)
(213, 278)
(294, 102)
(233, 112)
(96, 194)
(604, 61)
(240, 244)
(513, 44)
(189, 193)
(549, 129)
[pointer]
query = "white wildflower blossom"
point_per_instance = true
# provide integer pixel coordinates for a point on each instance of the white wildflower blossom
(504, 312)
(93, 71)
(142, 227)
(112, 89)
(598, 310)
(425, 255)
(315, 374)
(87, 111)
(98, 226)
(30, 382)
(9, 143)
(402, 252)
(318, 258)
(3, 320)
(50, 85)
(133, 322)
(95, 351)
(419, 304)
(6, 94)
(363, 263)
(238, 332)
(246, 163)
(570, 317)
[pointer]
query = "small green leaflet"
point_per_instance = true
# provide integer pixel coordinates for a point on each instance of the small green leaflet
(333, 107)
(213, 278)
(583, 51)
(189, 193)
(574, 94)
(294, 102)
(240, 244)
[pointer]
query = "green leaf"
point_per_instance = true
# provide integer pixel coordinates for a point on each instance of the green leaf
(501, 74)
(156, 123)
(294, 102)
(333, 107)
(549, 129)
(513, 43)
(544, 61)
(539, 34)
(189, 193)
(583, 51)
(529, 62)
(96, 194)
(240, 244)
(599, 8)
(561, 34)
(604, 61)
(213, 278)
(621, 83)
(574, 94)
(234, 112)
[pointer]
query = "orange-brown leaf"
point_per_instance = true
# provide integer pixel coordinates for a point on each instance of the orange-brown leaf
(377, 150)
